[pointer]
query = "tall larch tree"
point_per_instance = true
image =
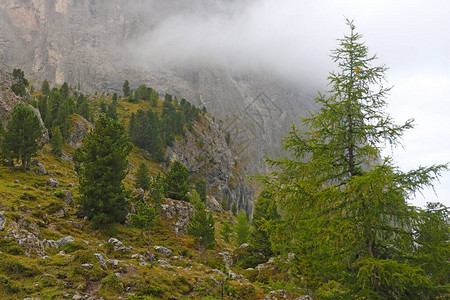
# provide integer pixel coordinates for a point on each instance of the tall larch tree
(344, 207)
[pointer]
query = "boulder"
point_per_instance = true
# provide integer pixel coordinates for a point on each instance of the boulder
(118, 245)
(101, 260)
(65, 240)
(2, 220)
(26, 239)
(213, 205)
(52, 182)
(68, 199)
(227, 258)
(163, 261)
(38, 167)
(179, 212)
(50, 244)
(80, 127)
(138, 256)
(163, 250)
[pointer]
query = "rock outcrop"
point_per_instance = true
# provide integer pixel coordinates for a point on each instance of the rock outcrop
(80, 127)
(206, 153)
(9, 100)
(179, 212)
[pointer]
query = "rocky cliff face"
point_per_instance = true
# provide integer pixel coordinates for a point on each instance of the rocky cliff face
(9, 100)
(206, 154)
(85, 42)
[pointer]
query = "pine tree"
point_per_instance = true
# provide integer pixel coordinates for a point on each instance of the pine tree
(21, 139)
(154, 98)
(200, 187)
(234, 208)
(344, 208)
(45, 88)
(226, 232)
(126, 88)
(56, 141)
(176, 181)
(142, 177)
(242, 228)
(111, 111)
(19, 88)
(64, 91)
(265, 215)
(202, 225)
(103, 164)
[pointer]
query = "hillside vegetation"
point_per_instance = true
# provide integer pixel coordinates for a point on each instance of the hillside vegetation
(137, 197)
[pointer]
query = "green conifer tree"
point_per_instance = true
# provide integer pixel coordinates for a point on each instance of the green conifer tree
(45, 88)
(21, 139)
(202, 225)
(226, 232)
(56, 141)
(103, 164)
(344, 209)
(176, 181)
(126, 88)
(242, 228)
(142, 177)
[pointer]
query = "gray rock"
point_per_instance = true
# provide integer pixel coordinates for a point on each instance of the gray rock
(76, 225)
(16, 181)
(52, 182)
(213, 205)
(138, 256)
(163, 250)
(218, 272)
(114, 263)
(87, 266)
(163, 261)
(71, 184)
(26, 239)
(227, 258)
(118, 245)
(214, 280)
(179, 212)
(65, 240)
(232, 275)
(68, 199)
(101, 260)
(2, 220)
(143, 263)
(50, 244)
(39, 169)
(80, 127)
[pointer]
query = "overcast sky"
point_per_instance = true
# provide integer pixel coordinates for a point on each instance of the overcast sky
(293, 38)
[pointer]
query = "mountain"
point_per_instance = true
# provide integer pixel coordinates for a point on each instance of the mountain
(88, 43)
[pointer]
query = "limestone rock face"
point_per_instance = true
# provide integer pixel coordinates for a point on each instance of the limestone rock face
(205, 152)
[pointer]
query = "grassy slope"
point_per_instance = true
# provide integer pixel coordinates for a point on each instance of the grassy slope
(59, 274)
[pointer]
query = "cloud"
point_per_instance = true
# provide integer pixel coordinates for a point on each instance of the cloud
(283, 37)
